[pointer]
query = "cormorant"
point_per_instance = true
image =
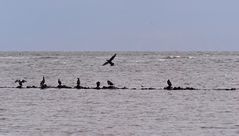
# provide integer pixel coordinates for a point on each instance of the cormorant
(59, 82)
(78, 82)
(98, 85)
(169, 87)
(20, 83)
(169, 83)
(110, 61)
(43, 81)
(42, 84)
(110, 83)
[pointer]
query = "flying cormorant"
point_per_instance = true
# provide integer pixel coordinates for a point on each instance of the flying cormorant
(110, 61)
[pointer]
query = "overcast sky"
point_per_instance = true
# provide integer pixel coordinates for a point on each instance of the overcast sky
(119, 25)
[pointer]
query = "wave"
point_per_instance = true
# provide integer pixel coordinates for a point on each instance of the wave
(179, 57)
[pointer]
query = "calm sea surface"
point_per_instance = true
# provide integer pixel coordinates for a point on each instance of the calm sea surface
(72, 112)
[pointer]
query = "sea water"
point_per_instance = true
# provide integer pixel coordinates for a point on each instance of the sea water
(209, 111)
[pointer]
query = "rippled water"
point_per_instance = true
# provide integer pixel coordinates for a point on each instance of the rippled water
(72, 112)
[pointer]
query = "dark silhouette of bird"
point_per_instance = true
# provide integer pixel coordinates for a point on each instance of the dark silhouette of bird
(78, 82)
(98, 85)
(110, 61)
(43, 81)
(169, 83)
(42, 84)
(20, 82)
(110, 83)
(59, 82)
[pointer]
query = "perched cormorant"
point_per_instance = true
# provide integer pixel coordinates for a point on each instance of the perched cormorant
(98, 85)
(59, 82)
(169, 87)
(110, 61)
(109, 83)
(20, 83)
(43, 81)
(62, 86)
(169, 83)
(42, 84)
(78, 82)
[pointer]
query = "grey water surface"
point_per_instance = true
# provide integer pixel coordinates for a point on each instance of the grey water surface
(72, 112)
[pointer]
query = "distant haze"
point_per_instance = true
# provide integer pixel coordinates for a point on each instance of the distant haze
(119, 25)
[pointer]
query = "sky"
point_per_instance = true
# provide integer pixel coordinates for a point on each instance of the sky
(119, 25)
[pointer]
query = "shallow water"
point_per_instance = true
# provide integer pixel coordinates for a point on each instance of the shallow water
(71, 112)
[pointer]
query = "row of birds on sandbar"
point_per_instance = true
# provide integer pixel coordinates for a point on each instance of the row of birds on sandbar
(111, 85)
(43, 84)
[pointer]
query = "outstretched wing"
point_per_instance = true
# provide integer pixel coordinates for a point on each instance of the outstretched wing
(105, 63)
(110, 83)
(110, 60)
(112, 57)
(24, 81)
